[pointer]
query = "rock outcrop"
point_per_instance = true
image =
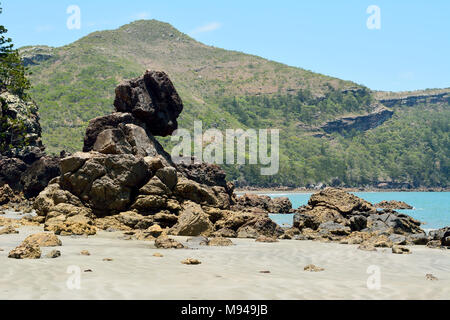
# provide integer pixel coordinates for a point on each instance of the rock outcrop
(335, 215)
(393, 204)
(124, 180)
(23, 163)
(359, 123)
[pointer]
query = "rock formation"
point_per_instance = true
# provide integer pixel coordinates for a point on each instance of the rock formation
(360, 123)
(23, 163)
(335, 215)
(124, 180)
(393, 204)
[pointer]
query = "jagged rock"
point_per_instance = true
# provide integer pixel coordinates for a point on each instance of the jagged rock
(313, 268)
(25, 251)
(225, 233)
(8, 230)
(105, 183)
(434, 244)
(219, 242)
(149, 204)
(44, 240)
(152, 99)
(21, 148)
(193, 221)
(53, 254)
(400, 250)
(418, 238)
(280, 205)
(260, 226)
(191, 190)
(397, 239)
(191, 261)
(6, 194)
(11, 171)
(155, 230)
(358, 223)
(334, 229)
(167, 243)
(400, 223)
(39, 174)
(341, 201)
(393, 204)
(168, 176)
(51, 196)
(155, 187)
(442, 235)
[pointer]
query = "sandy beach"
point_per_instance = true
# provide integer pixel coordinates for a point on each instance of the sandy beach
(225, 272)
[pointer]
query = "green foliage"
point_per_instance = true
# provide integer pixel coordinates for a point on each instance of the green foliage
(12, 71)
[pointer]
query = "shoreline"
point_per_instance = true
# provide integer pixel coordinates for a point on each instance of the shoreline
(246, 270)
(255, 190)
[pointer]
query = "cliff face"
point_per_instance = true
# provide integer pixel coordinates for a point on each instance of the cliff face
(359, 123)
(417, 99)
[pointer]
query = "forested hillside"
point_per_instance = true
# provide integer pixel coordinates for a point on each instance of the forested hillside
(227, 89)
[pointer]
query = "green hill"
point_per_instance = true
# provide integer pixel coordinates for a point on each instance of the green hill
(227, 89)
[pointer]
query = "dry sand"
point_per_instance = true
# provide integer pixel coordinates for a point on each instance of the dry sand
(225, 272)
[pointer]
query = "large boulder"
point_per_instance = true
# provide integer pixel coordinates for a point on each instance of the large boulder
(104, 182)
(193, 221)
(39, 174)
(151, 98)
(341, 201)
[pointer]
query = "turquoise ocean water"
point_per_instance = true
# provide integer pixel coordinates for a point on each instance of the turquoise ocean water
(431, 208)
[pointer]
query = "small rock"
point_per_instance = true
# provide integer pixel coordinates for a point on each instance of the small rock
(313, 268)
(430, 277)
(158, 255)
(155, 230)
(191, 261)
(108, 259)
(25, 251)
(53, 254)
(434, 244)
(266, 239)
(167, 243)
(400, 250)
(88, 270)
(265, 271)
(220, 242)
(367, 247)
(85, 253)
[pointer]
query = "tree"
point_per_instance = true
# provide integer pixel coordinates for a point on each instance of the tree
(12, 71)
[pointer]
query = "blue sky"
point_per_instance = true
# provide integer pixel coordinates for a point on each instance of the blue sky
(410, 51)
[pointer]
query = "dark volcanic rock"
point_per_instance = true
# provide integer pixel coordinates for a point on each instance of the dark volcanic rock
(39, 174)
(23, 164)
(152, 99)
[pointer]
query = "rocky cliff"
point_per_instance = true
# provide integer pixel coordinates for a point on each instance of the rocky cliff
(23, 163)
(412, 100)
(359, 123)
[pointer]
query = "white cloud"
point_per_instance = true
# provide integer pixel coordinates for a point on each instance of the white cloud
(206, 28)
(142, 15)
